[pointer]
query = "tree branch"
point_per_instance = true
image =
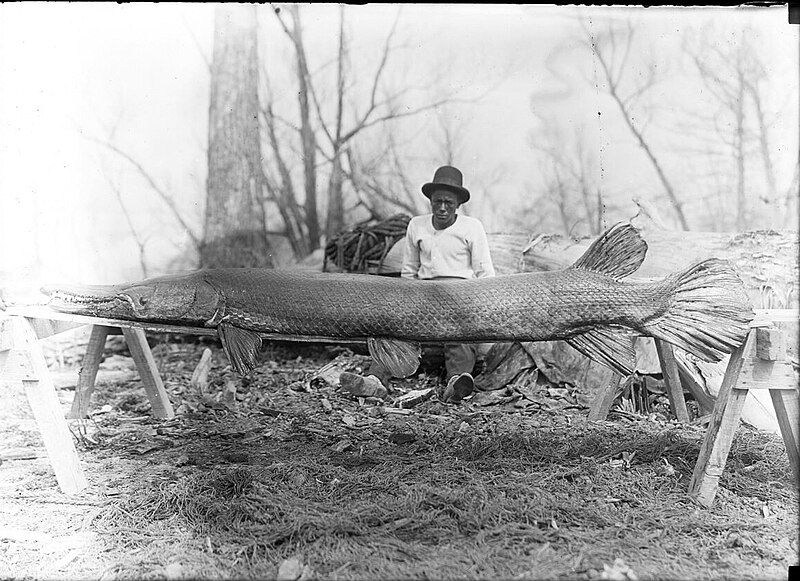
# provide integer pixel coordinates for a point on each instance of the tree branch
(165, 197)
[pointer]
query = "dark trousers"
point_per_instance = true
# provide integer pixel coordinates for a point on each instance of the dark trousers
(458, 358)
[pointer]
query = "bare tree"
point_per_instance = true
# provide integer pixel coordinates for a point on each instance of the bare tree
(308, 137)
(570, 172)
(139, 240)
(738, 125)
(449, 138)
(281, 190)
(333, 132)
(377, 192)
(236, 222)
(167, 197)
(790, 199)
(612, 49)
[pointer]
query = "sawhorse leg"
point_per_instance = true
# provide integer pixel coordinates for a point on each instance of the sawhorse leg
(720, 432)
(672, 381)
(752, 366)
(148, 372)
(603, 401)
(669, 368)
(21, 359)
(88, 372)
(145, 364)
(787, 411)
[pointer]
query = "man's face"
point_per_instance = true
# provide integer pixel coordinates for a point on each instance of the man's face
(443, 206)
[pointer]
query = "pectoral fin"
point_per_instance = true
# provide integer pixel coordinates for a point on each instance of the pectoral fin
(241, 346)
(611, 346)
(401, 358)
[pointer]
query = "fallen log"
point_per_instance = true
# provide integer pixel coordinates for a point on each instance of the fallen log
(765, 259)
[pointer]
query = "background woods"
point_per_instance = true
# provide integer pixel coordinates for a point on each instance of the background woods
(260, 132)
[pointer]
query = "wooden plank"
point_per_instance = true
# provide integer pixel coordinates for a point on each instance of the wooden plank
(672, 380)
(765, 317)
(46, 409)
(721, 429)
(41, 311)
(148, 372)
(770, 344)
(44, 312)
(703, 398)
(6, 334)
(759, 374)
(603, 401)
(88, 372)
(49, 327)
(787, 411)
(16, 365)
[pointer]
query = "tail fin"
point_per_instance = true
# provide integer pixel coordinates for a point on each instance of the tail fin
(709, 311)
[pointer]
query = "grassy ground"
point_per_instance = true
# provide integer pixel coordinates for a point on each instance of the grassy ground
(288, 477)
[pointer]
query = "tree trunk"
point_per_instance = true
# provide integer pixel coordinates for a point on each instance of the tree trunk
(235, 221)
(335, 221)
(741, 200)
(766, 260)
(283, 193)
(307, 136)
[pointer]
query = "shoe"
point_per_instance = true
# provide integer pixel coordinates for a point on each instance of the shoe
(458, 387)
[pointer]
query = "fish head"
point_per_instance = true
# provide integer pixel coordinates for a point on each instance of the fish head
(181, 299)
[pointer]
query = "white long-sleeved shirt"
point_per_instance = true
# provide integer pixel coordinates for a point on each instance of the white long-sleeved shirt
(461, 250)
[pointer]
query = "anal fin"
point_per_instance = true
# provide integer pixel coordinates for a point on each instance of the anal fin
(401, 358)
(241, 346)
(610, 346)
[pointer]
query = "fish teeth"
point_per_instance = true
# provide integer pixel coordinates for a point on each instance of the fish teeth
(78, 298)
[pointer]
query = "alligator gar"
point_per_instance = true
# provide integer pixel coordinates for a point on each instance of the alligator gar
(703, 309)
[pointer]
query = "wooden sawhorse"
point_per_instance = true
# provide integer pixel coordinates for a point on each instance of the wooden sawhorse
(759, 363)
(672, 383)
(22, 360)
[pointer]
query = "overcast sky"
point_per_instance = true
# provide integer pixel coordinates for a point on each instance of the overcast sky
(73, 72)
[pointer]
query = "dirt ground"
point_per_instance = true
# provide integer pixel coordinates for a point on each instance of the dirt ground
(285, 476)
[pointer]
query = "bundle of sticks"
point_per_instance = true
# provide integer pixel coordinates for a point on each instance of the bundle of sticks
(366, 245)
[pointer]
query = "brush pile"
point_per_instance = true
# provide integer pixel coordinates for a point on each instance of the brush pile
(364, 248)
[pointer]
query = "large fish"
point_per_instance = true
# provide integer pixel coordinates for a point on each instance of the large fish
(703, 309)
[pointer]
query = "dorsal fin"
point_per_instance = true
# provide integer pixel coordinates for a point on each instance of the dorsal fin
(618, 252)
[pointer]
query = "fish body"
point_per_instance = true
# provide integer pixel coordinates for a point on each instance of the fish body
(520, 307)
(703, 309)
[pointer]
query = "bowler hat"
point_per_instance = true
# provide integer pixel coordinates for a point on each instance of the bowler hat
(447, 178)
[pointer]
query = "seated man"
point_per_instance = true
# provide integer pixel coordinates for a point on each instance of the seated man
(444, 245)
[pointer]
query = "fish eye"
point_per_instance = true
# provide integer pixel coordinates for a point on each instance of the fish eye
(142, 300)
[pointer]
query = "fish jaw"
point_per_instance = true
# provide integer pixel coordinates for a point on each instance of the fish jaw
(183, 300)
(107, 301)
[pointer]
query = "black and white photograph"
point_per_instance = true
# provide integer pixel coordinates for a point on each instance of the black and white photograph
(399, 291)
